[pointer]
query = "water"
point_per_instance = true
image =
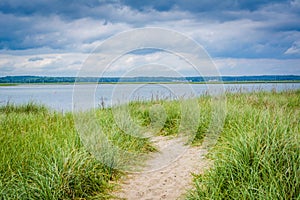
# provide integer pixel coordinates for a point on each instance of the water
(60, 97)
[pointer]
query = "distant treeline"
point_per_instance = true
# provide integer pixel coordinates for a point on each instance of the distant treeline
(46, 79)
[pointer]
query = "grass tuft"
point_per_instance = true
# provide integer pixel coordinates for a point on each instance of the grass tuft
(30, 107)
(42, 157)
(258, 154)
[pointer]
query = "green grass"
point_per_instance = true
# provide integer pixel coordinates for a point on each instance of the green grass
(258, 153)
(42, 157)
(30, 107)
(8, 84)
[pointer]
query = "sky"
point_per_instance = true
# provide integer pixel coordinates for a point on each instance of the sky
(55, 37)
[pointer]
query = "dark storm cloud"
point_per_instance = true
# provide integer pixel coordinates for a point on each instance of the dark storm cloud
(66, 9)
(72, 9)
(228, 28)
(69, 9)
(198, 6)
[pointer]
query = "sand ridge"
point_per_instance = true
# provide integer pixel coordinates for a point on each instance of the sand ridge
(167, 175)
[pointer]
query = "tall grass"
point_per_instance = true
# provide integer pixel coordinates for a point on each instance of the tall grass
(162, 117)
(30, 107)
(42, 157)
(258, 154)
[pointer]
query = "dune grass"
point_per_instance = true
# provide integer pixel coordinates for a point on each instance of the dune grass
(256, 157)
(258, 153)
(42, 157)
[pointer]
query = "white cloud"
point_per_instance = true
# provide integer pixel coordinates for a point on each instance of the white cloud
(244, 66)
(159, 63)
(48, 65)
(294, 49)
(140, 65)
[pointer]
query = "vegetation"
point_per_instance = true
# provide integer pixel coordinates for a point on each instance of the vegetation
(197, 79)
(257, 155)
(8, 84)
(41, 156)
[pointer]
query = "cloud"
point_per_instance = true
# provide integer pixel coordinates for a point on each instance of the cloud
(294, 49)
(78, 9)
(243, 66)
(156, 63)
(249, 30)
(35, 59)
(43, 65)
(196, 5)
(226, 29)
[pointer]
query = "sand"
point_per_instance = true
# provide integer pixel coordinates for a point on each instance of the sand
(167, 174)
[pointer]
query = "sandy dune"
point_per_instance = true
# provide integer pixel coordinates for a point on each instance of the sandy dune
(167, 175)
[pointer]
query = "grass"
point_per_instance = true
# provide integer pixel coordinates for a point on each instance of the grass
(42, 158)
(258, 153)
(42, 155)
(30, 107)
(8, 84)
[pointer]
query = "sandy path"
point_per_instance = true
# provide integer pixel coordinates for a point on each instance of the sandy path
(167, 175)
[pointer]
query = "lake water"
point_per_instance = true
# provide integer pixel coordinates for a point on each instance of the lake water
(60, 97)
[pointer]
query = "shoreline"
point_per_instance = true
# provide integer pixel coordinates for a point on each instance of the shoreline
(113, 83)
